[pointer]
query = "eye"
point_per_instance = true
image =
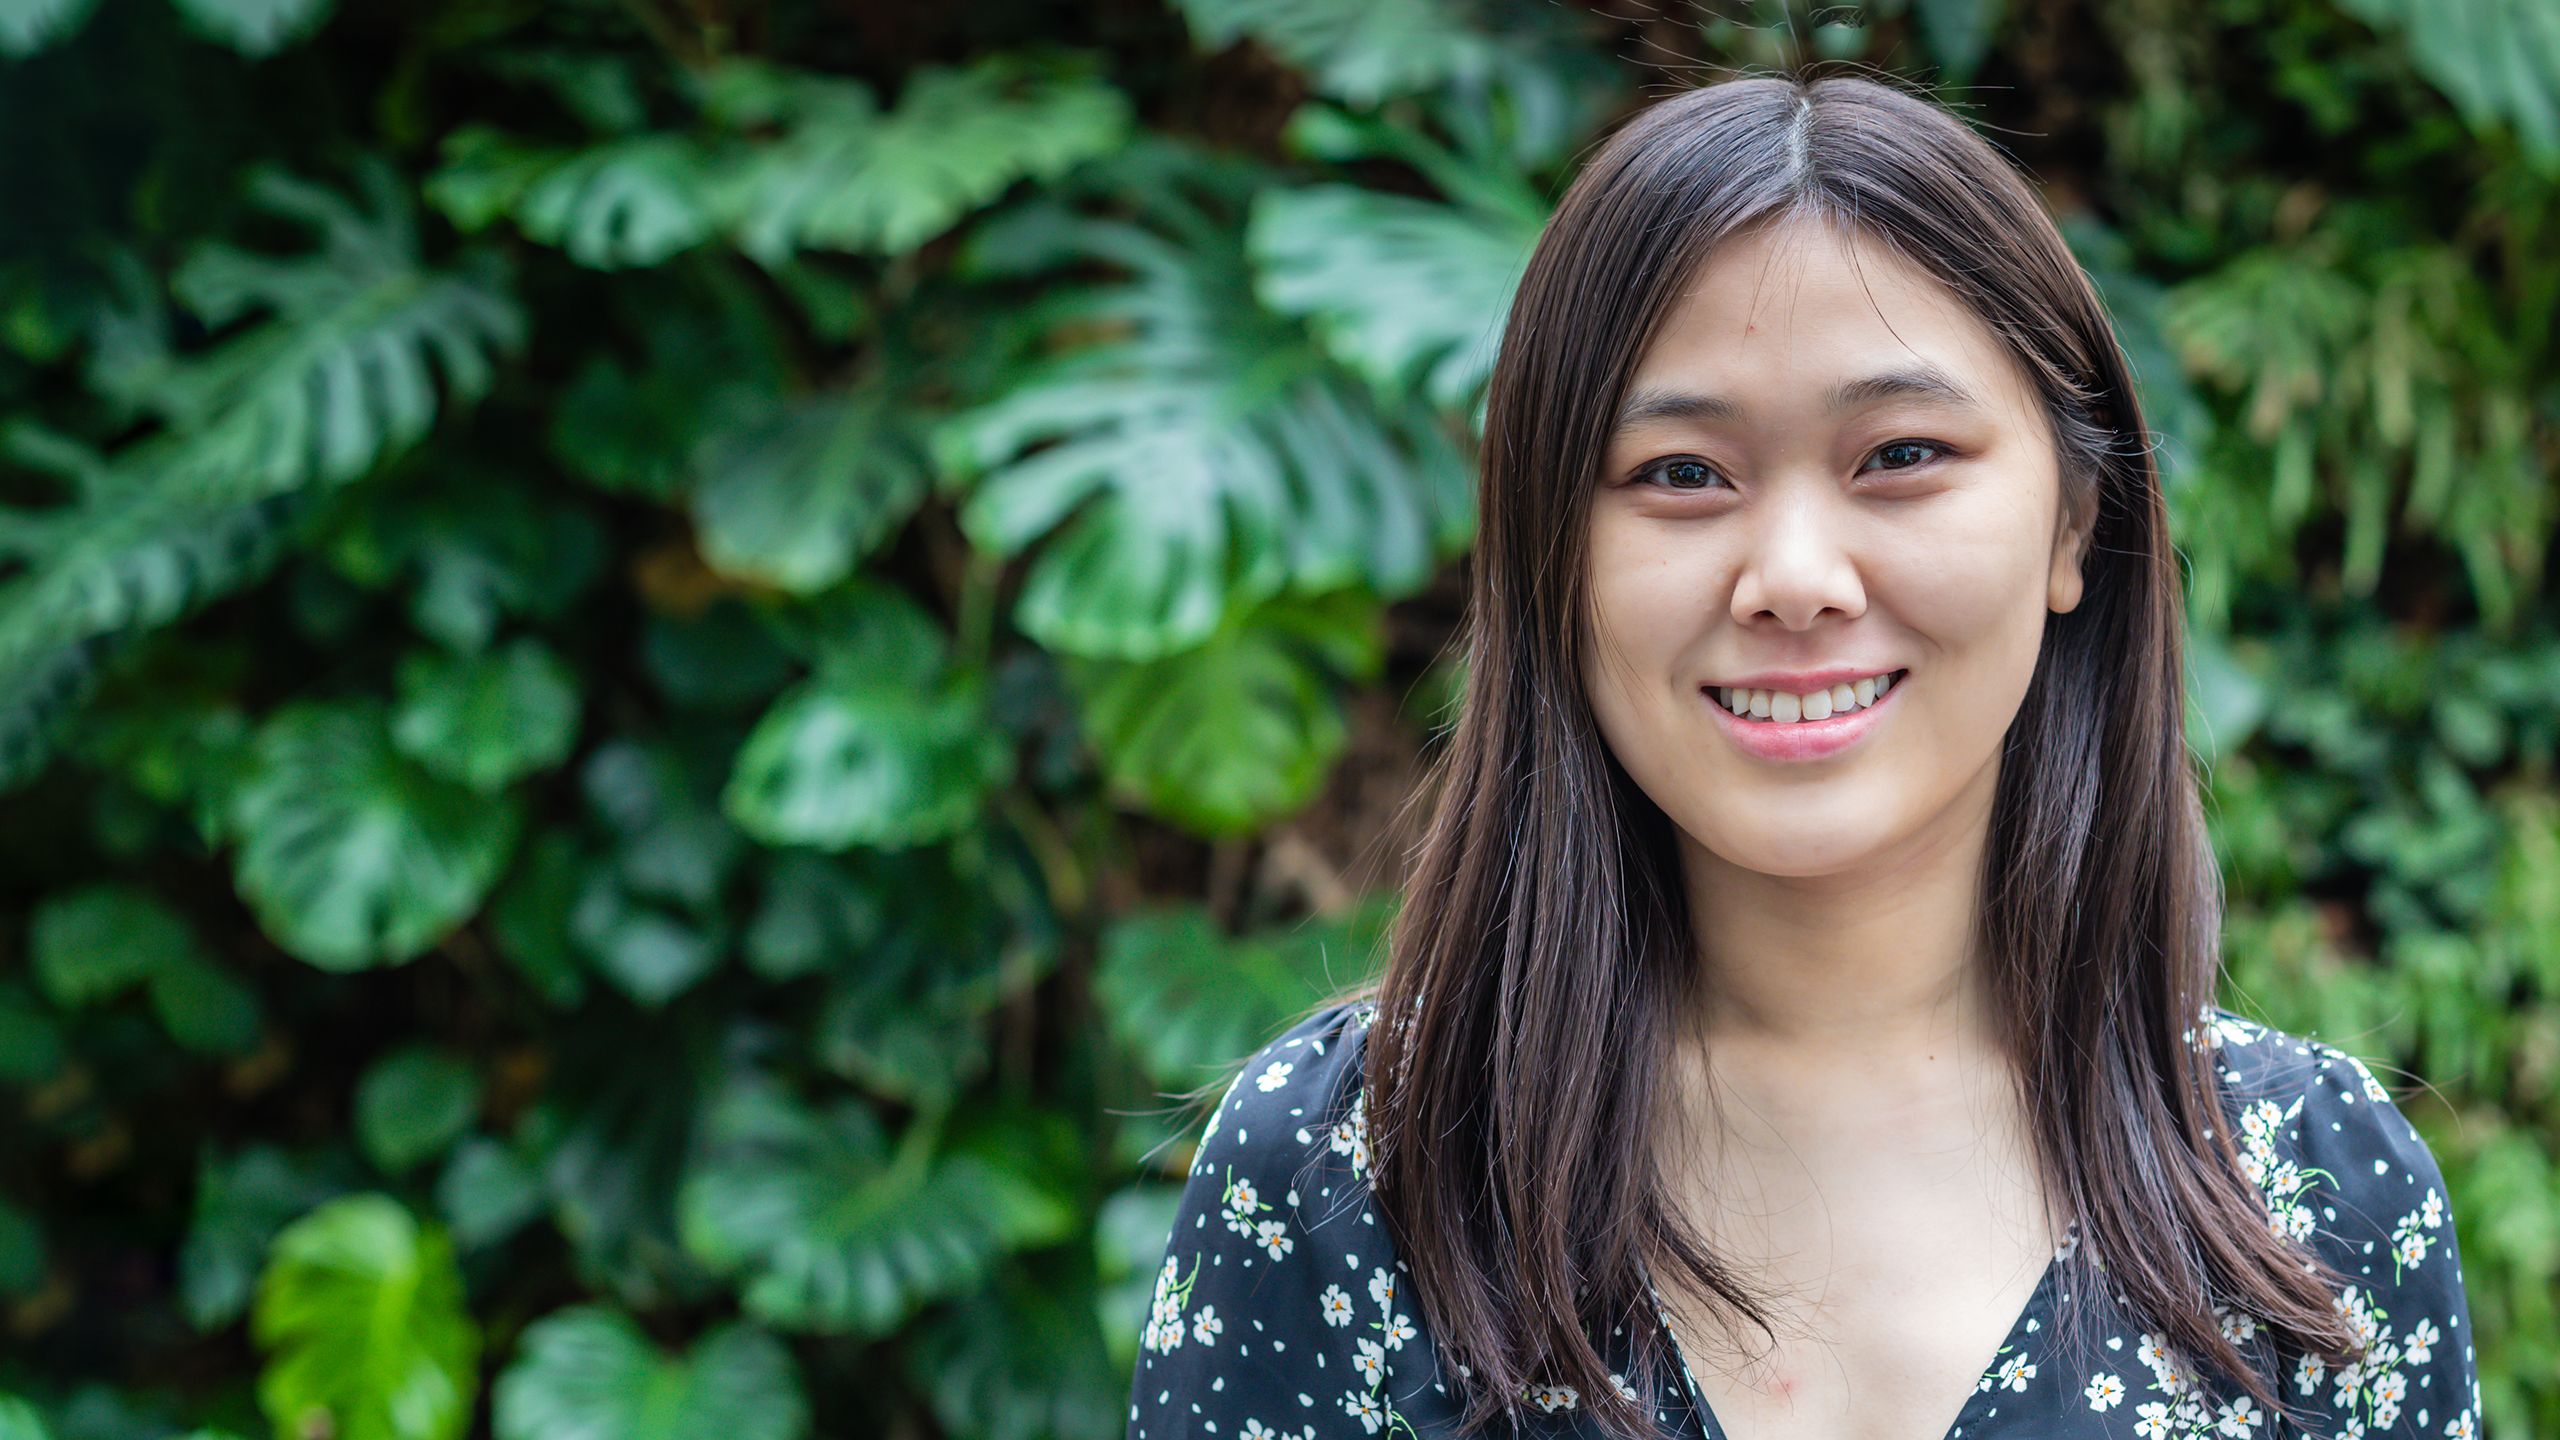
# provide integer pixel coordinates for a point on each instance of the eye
(1684, 472)
(1909, 445)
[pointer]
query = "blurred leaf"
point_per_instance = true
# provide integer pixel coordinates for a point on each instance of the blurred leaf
(1202, 456)
(1022, 1361)
(27, 26)
(361, 1314)
(486, 721)
(887, 745)
(796, 497)
(1187, 1000)
(832, 1232)
(22, 1261)
(413, 1104)
(1242, 730)
(93, 944)
(2497, 60)
(1411, 294)
(632, 201)
(487, 1192)
(588, 1373)
(240, 1203)
(30, 1041)
(19, 1421)
(254, 27)
(351, 856)
(205, 1008)
(842, 175)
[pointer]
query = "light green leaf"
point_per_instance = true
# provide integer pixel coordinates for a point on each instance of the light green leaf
(1243, 730)
(20, 1420)
(1360, 51)
(349, 855)
(27, 26)
(414, 1103)
(587, 1373)
(254, 27)
(1410, 293)
(361, 1314)
(843, 176)
(488, 720)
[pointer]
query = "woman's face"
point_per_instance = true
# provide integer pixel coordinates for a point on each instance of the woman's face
(1826, 463)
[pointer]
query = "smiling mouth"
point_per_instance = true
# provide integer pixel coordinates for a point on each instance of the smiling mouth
(1779, 708)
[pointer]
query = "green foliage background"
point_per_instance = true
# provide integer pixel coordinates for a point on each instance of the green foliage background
(663, 663)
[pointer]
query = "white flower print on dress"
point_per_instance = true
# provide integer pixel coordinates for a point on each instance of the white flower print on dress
(1337, 1305)
(1281, 1300)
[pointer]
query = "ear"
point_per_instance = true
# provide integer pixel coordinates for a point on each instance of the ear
(2063, 585)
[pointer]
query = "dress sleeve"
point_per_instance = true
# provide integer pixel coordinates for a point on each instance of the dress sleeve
(1274, 1258)
(2379, 1212)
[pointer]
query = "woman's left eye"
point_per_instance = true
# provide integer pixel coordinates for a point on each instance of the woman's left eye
(1940, 452)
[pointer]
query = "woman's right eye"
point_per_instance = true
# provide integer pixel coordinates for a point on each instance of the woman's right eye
(1683, 472)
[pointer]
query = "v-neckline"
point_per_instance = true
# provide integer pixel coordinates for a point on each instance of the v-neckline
(2019, 1329)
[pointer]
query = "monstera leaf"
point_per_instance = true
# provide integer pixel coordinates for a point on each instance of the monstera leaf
(1412, 294)
(842, 175)
(1240, 731)
(831, 1231)
(361, 1313)
(1023, 1360)
(587, 1373)
(888, 744)
(630, 201)
(350, 855)
(1203, 454)
(93, 944)
(344, 373)
(254, 27)
(413, 1104)
(2497, 60)
(800, 494)
(486, 721)
(1515, 84)
(1186, 1000)
(241, 1202)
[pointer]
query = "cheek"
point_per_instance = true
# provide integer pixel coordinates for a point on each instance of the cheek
(1969, 573)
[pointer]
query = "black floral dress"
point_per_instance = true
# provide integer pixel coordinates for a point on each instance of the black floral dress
(1280, 1311)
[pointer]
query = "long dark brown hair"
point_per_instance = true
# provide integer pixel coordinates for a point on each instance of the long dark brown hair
(1543, 956)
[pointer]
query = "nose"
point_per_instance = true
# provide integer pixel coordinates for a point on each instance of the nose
(1800, 560)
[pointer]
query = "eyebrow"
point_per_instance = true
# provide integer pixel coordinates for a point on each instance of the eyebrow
(1920, 382)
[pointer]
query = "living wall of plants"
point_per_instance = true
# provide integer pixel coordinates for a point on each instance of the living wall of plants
(668, 666)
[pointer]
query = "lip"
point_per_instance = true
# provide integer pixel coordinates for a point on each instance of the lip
(1805, 739)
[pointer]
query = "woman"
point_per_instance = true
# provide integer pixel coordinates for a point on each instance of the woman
(1801, 1018)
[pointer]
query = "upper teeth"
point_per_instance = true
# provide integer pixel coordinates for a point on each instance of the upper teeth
(1784, 707)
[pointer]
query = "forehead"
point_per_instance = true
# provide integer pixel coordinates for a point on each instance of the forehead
(1782, 321)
